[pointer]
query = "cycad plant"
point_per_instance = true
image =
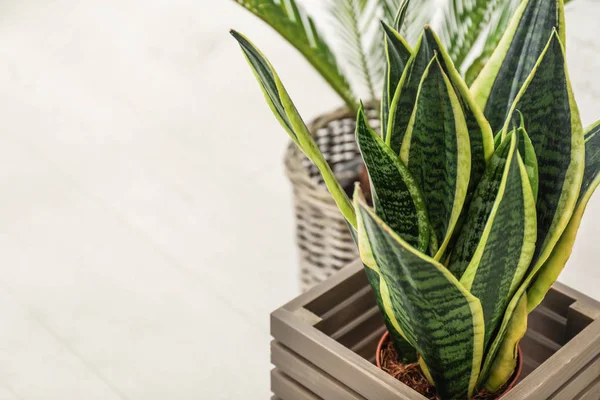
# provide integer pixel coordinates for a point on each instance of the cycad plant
(478, 193)
(358, 45)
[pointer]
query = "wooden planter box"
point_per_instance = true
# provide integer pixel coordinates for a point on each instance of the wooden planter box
(324, 346)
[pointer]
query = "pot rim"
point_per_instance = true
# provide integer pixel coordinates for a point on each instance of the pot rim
(513, 381)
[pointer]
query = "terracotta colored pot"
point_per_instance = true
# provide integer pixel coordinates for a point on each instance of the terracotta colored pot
(512, 383)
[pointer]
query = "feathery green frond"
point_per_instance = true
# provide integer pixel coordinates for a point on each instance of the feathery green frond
(350, 17)
(496, 28)
(462, 24)
(299, 29)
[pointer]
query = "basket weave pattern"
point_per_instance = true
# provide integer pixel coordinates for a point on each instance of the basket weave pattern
(324, 242)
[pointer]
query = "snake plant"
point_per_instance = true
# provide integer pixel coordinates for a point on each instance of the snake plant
(478, 192)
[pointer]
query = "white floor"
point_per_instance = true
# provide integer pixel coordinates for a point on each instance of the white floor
(145, 223)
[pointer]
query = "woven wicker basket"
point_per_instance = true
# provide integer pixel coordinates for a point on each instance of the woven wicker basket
(324, 242)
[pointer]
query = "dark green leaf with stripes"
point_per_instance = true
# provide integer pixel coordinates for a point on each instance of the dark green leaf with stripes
(552, 268)
(437, 152)
(441, 319)
(506, 244)
(397, 197)
(480, 133)
(527, 153)
(405, 96)
(515, 57)
(406, 352)
(398, 54)
(479, 211)
(554, 127)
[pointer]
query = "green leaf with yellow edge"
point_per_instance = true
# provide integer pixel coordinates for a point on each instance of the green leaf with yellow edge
(506, 244)
(549, 273)
(397, 54)
(397, 197)
(510, 65)
(503, 366)
(509, 336)
(437, 152)
(299, 29)
(403, 101)
(554, 127)
(287, 114)
(479, 210)
(527, 152)
(480, 133)
(405, 350)
(436, 314)
(401, 15)
(553, 124)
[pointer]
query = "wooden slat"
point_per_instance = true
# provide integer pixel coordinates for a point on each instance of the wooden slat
(570, 390)
(308, 375)
(367, 347)
(558, 301)
(580, 315)
(339, 307)
(343, 364)
(529, 366)
(569, 292)
(349, 281)
(346, 311)
(286, 388)
(362, 326)
(561, 367)
(548, 323)
(537, 347)
(591, 392)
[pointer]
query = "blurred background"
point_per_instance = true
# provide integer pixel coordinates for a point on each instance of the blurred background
(146, 225)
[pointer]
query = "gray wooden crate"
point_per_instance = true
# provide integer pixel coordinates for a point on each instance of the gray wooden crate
(325, 340)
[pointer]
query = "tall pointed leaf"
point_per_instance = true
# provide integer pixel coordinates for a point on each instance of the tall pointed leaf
(549, 273)
(405, 96)
(287, 114)
(401, 15)
(527, 152)
(397, 54)
(441, 319)
(480, 133)
(506, 245)
(479, 210)
(499, 82)
(503, 366)
(380, 289)
(544, 275)
(554, 126)
(298, 28)
(437, 152)
(397, 197)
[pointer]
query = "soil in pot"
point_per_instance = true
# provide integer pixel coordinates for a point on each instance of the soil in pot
(412, 376)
